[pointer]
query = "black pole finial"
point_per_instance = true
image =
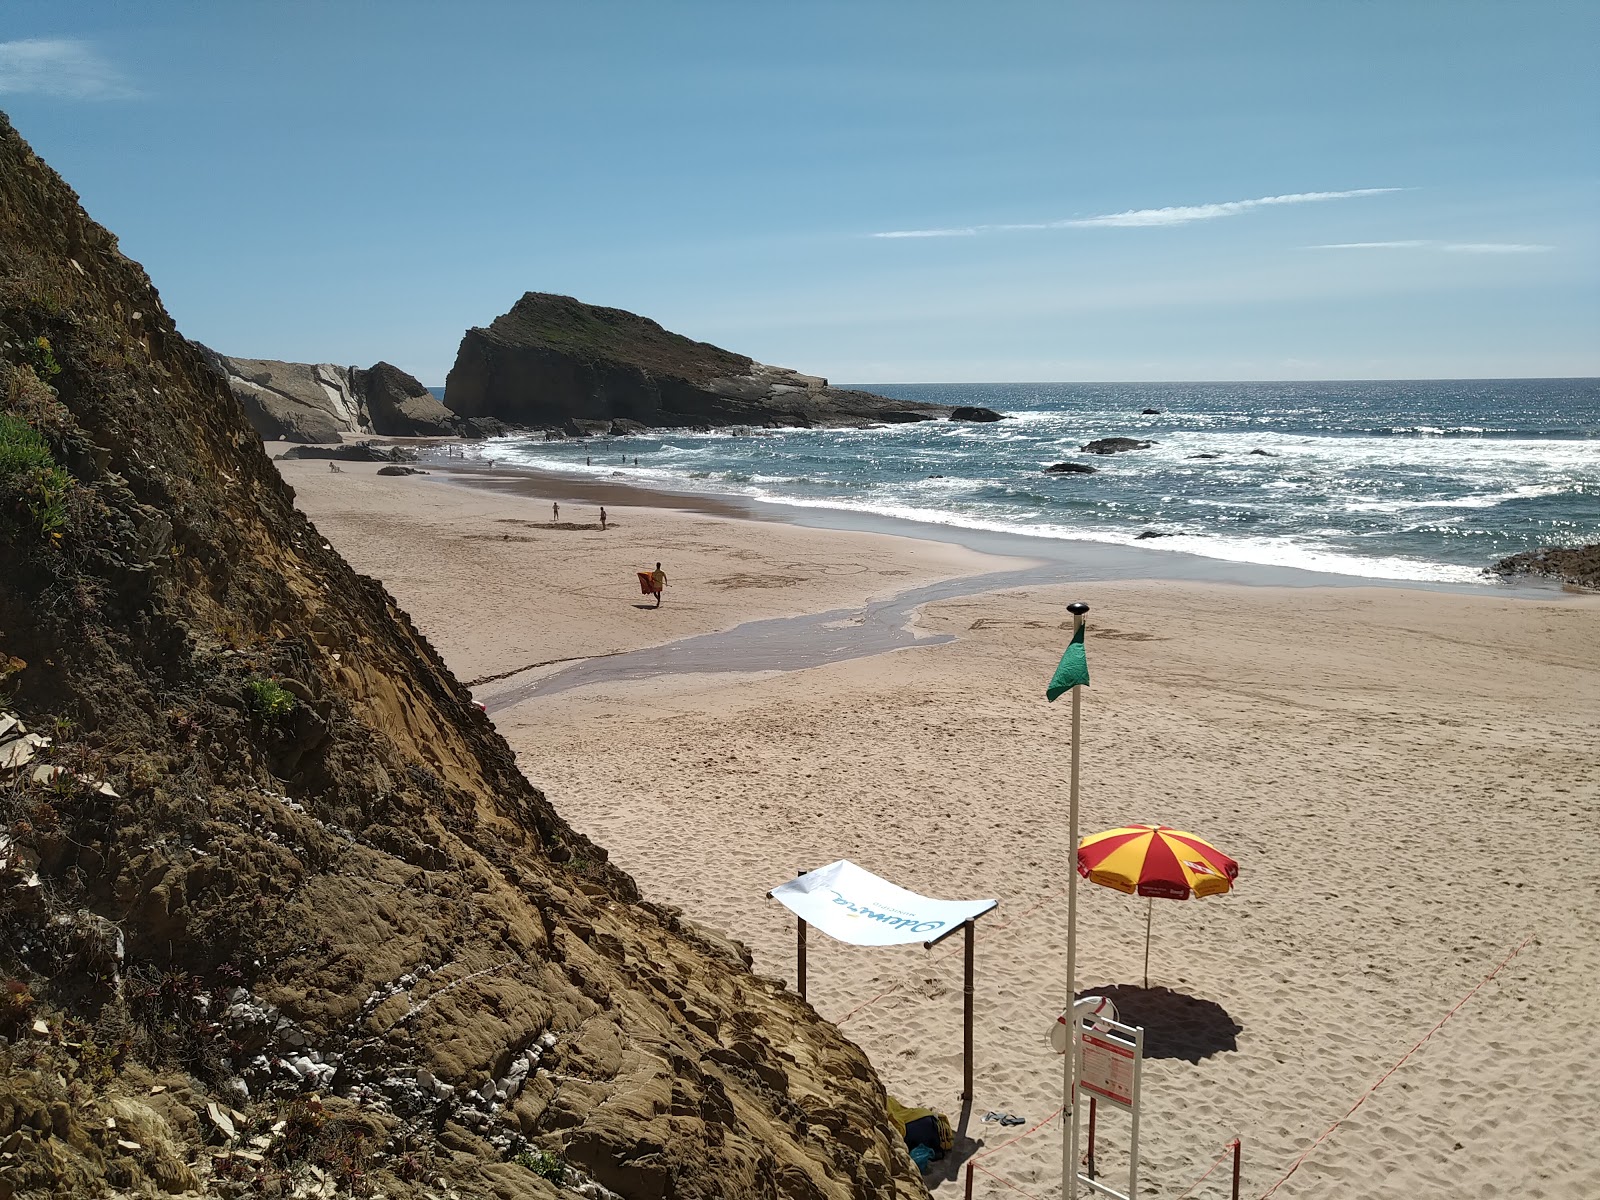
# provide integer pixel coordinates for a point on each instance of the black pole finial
(1077, 608)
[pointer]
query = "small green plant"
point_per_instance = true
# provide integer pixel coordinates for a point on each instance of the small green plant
(544, 1164)
(41, 358)
(267, 699)
(30, 480)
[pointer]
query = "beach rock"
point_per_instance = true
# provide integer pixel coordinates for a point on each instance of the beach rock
(1149, 412)
(1149, 533)
(973, 413)
(316, 402)
(1070, 468)
(573, 427)
(355, 452)
(897, 416)
(1115, 445)
(554, 359)
(1578, 566)
(1264, 453)
(265, 709)
(293, 402)
(398, 405)
(394, 470)
(622, 427)
(1203, 456)
(478, 428)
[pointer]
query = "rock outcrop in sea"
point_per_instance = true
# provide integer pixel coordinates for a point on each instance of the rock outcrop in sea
(316, 402)
(1575, 565)
(279, 915)
(552, 360)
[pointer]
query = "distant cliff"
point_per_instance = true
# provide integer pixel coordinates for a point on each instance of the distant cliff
(553, 360)
(316, 402)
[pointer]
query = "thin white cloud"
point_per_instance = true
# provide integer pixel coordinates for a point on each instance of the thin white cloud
(1448, 247)
(62, 67)
(1140, 218)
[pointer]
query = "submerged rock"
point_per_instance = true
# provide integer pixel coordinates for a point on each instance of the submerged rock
(1115, 445)
(1070, 468)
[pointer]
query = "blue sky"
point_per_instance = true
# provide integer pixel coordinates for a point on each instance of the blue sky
(348, 182)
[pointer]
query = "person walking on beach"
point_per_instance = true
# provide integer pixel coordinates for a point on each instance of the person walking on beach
(658, 583)
(602, 517)
(555, 513)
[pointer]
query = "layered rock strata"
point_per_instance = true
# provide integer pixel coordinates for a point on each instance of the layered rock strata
(316, 402)
(290, 921)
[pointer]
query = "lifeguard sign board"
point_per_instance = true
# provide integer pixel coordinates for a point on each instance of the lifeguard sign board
(1108, 1067)
(1110, 1058)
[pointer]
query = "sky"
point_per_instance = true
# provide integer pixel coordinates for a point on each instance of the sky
(873, 190)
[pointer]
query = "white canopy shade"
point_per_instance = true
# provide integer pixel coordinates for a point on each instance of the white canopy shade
(852, 904)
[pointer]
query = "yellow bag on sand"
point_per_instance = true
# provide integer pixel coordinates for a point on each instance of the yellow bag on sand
(922, 1127)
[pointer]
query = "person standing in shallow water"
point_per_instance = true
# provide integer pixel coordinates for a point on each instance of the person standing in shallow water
(658, 583)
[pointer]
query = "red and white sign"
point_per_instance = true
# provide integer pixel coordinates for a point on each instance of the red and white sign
(1107, 1069)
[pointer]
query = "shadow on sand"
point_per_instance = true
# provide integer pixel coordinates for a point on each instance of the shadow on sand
(1175, 1025)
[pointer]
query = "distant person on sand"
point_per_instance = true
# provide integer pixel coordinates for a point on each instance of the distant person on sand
(555, 513)
(658, 583)
(602, 516)
(334, 467)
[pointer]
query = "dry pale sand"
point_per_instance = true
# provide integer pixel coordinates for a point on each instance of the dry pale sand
(1409, 781)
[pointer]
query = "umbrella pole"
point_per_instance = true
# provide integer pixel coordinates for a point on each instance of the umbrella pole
(1148, 905)
(1069, 1069)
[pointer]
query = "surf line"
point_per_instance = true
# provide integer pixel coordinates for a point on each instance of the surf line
(780, 643)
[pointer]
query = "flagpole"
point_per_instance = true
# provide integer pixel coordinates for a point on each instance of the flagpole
(1069, 1132)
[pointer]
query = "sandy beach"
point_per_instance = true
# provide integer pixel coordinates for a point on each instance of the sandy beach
(1407, 779)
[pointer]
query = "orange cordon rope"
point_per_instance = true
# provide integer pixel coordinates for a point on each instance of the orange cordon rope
(1002, 1179)
(1326, 1133)
(1040, 1125)
(1222, 1158)
(951, 949)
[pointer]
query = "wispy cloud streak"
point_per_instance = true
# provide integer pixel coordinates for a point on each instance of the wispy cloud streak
(60, 67)
(1447, 247)
(1142, 218)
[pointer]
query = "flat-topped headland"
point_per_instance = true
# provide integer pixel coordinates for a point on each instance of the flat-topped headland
(557, 363)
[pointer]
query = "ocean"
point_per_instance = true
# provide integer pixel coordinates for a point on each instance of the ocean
(1406, 480)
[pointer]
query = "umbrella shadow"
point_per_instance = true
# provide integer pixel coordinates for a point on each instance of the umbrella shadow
(1176, 1025)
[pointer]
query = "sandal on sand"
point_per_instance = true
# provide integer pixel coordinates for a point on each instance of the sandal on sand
(1004, 1118)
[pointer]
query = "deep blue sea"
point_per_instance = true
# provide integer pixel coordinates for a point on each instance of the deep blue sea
(1420, 480)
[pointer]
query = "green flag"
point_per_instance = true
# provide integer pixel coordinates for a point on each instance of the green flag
(1074, 668)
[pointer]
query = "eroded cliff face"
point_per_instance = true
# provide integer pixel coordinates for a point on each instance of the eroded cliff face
(553, 359)
(278, 913)
(316, 402)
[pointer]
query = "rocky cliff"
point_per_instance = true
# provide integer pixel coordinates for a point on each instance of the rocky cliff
(552, 360)
(278, 913)
(316, 402)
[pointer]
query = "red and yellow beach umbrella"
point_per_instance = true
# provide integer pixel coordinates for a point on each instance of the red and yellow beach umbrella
(1154, 861)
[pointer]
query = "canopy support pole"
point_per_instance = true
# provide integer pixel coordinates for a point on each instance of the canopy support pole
(800, 950)
(966, 1016)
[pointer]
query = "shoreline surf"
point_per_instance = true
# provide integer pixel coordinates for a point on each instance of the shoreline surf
(1089, 559)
